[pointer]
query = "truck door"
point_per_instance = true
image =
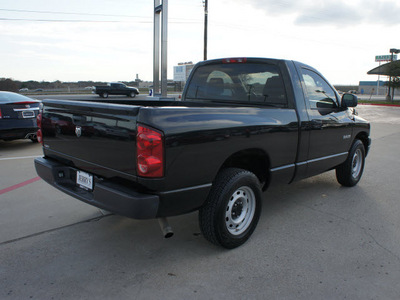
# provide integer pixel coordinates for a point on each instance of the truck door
(329, 125)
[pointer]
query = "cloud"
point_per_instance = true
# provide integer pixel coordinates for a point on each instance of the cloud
(330, 13)
(333, 12)
(384, 12)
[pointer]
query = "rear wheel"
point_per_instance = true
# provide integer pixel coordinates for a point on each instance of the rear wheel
(232, 209)
(349, 173)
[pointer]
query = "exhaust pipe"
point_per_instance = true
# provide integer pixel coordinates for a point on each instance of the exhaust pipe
(31, 136)
(165, 228)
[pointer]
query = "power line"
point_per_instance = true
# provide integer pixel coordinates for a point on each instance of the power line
(84, 14)
(93, 21)
(68, 21)
(67, 13)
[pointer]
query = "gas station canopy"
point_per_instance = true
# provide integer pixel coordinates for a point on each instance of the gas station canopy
(389, 69)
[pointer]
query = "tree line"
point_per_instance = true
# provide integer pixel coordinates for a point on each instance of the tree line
(8, 84)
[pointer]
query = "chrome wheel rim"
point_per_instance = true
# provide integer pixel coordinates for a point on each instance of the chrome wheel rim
(356, 164)
(240, 210)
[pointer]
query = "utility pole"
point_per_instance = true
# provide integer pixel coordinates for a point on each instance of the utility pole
(205, 2)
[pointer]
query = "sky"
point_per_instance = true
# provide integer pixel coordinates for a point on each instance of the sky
(105, 40)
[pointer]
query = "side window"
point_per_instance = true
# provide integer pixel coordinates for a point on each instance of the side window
(319, 94)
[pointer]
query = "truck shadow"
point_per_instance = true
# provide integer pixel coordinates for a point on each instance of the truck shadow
(312, 192)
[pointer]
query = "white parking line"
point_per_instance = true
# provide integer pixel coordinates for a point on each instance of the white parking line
(21, 157)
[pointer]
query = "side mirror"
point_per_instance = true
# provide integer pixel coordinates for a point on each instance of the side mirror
(349, 100)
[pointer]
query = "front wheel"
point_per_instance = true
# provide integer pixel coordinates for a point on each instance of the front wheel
(349, 173)
(232, 209)
(132, 95)
(104, 95)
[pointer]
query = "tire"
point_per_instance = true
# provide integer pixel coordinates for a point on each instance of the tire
(132, 95)
(349, 173)
(104, 95)
(34, 140)
(233, 208)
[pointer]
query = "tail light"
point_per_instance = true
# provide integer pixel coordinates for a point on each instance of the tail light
(150, 152)
(25, 102)
(0, 114)
(39, 133)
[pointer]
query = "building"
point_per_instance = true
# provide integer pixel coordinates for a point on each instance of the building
(182, 71)
(373, 87)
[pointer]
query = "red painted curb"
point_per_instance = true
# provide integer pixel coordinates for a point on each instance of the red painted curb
(375, 104)
(19, 185)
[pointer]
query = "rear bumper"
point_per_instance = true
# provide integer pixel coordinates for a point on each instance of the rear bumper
(106, 195)
(17, 128)
(15, 134)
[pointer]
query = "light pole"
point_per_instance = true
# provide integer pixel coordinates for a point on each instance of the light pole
(160, 8)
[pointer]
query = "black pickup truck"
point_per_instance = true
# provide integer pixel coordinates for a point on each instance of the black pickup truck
(243, 124)
(115, 88)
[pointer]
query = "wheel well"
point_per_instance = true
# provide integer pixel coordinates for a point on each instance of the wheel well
(363, 137)
(253, 160)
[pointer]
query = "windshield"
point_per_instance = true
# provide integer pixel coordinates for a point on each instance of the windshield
(246, 82)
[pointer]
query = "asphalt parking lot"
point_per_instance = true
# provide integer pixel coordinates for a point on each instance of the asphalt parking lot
(315, 239)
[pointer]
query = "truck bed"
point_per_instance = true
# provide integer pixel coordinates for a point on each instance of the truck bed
(106, 145)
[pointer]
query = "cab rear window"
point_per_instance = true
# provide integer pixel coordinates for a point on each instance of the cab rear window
(259, 83)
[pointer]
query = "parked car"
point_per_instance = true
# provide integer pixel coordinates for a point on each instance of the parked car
(243, 125)
(24, 90)
(115, 88)
(18, 117)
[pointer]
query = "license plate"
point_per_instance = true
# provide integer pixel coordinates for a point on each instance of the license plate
(84, 180)
(28, 114)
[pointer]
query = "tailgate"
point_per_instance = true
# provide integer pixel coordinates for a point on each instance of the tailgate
(96, 137)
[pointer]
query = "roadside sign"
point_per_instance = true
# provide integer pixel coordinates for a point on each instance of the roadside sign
(385, 57)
